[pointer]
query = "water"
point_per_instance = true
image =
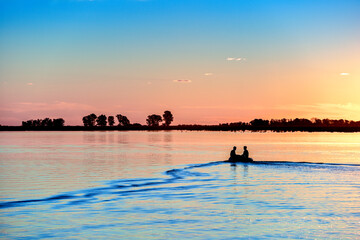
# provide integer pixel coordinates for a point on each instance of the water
(173, 185)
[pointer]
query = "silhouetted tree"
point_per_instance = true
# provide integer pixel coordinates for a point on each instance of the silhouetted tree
(101, 120)
(28, 123)
(111, 121)
(168, 118)
(86, 121)
(123, 120)
(37, 123)
(89, 120)
(59, 122)
(46, 122)
(259, 123)
(153, 120)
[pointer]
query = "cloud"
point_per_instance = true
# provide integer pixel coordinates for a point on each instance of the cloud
(30, 84)
(208, 74)
(182, 81)
(344, 74)
(236, 59)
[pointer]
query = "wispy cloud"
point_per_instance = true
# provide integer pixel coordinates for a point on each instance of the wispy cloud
(344, 74)
(30, 84)
(236, 59)
(182, 81)
(208, 74)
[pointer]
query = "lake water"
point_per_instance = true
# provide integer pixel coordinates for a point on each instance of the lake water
(173, 185)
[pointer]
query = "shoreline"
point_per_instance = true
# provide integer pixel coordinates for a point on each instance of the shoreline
(184, 128)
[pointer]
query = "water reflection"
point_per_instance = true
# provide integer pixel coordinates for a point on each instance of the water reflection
(102, 137)
(105, 137)
(89, 137)
(243, 166)
(154, 137)
(122, 137)
(161, 144)
(246, 170)
(168, 136)
(111, 138)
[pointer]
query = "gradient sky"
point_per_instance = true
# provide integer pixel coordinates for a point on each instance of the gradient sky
(207, 61)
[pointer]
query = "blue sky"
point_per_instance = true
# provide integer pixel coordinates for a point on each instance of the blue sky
(116, 55)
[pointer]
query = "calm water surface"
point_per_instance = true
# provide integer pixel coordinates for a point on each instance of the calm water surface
(173, 185)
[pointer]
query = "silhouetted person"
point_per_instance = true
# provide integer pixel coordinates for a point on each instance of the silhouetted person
(233, 156)
(240, 158)
(245, 153)
(233, 153)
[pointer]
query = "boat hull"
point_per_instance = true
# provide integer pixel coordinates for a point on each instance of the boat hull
(240, 159)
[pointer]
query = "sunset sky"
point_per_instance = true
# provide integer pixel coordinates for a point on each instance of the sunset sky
(207, 61)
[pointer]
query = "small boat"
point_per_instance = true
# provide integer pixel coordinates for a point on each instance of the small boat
(240, 159)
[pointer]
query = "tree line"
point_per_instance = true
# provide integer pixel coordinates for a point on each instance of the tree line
(44, 123)
(297, 124)
(303, 122)
(153, 120)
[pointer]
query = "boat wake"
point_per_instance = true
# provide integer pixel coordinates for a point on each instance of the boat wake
(179, 177)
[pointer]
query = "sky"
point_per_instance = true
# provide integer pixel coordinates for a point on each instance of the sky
(207, 61)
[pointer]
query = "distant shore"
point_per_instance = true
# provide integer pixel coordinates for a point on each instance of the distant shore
(220, 127)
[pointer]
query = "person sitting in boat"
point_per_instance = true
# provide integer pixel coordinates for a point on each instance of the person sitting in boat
(245, 153)
(240, 158)
(233, 155)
